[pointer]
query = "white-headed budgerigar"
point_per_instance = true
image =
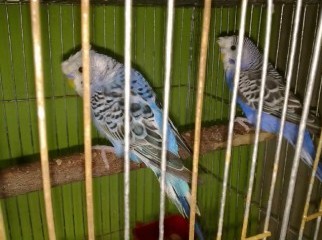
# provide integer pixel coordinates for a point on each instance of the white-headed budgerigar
(249, 91)
(107, 107)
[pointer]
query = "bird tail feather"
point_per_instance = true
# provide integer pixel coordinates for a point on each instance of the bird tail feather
(308, 148)
(178, 192)
(185, 205)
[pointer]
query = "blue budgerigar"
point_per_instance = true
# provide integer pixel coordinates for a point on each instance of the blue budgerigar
(107, 103)
(249, 91)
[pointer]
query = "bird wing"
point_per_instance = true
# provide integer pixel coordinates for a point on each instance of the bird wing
(145, 130)
(142, 88)
(249, 91)
(180, 140)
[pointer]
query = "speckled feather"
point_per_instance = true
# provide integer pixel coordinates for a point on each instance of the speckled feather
(107, 102)
(249, 91)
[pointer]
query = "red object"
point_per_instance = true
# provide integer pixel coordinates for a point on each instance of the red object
(175, 228)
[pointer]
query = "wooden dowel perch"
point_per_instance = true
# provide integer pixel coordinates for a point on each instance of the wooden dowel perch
(26, 178)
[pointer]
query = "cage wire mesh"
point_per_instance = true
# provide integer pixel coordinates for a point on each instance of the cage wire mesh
(24, 215)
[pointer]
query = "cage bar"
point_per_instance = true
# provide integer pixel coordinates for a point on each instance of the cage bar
(167, 78)
(300, 49)
(199, 107)
(286, 97)
(259, 236)
(259, 116)
(85, 10)
(317, 228)
(235, 183)
(41, 114)
(127, 88)
(306, 218)
(2, 228)
(313, 216)
(232, 117)
(301, 131)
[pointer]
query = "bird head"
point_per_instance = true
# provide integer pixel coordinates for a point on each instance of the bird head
(228, 49)
(100, 66)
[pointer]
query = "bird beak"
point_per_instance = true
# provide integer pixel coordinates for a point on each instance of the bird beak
(71, 83)
(220, 41)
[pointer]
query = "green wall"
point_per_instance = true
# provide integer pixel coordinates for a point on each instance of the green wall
(24, 215)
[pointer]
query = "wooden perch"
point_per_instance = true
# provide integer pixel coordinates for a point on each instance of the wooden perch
(26, 178)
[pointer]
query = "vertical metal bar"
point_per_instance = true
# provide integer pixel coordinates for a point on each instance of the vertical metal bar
(39, 81)
(51, 80)
(279, 35)
(231, 117)
(2, 228)
(190, 65)
(300, 50)
(212, 107)
(168, 54)
(153, 72)
(144, 64)
(289, 43)
(87, 116)
(199, 106)
(180, 58)
(318, 223)
(25, 79)
(262, 187)
(77, 98)
(287, 91)
(317, 229)
(319, 97)
(302, 128)
(259, 115)
(314, 37)
(217, 75)
(65, 91)
(134, 57)
(309, 191)
(12, 70)
(259, 25)
(127, 86)
(251, 20)
(5, 127)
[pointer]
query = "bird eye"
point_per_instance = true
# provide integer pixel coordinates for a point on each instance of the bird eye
(80, 69)
(233, 47)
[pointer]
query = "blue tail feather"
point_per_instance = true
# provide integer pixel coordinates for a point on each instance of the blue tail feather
(271, 124)
(186, 208)
(308, 149)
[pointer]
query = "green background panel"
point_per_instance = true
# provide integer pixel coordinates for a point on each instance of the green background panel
(24, 215)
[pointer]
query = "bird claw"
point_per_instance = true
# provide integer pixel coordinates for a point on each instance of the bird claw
(243, 122)
(104, 149)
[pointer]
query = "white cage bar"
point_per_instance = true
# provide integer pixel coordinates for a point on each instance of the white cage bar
(287, 92)
(259, 120)
(167, 78)
(299, 143)
(232, 117)
(127, 89)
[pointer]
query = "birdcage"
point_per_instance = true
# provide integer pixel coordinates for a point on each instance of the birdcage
(252, 184)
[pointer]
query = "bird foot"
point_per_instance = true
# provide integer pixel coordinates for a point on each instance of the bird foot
(243, 122)
(104, 149)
